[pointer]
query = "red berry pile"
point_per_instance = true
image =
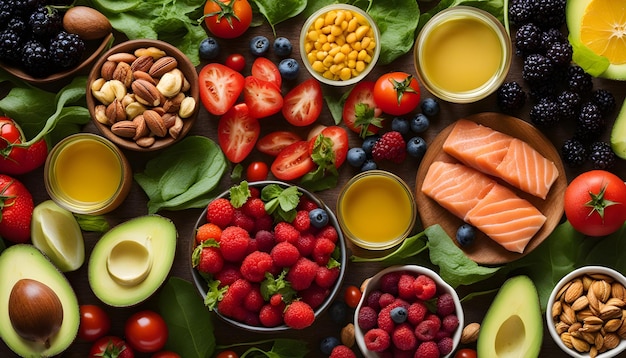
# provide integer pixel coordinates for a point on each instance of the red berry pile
(263, 270)
(408, 316)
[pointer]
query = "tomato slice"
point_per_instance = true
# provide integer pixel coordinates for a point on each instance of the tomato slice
(266, 70)
(293, 162)
(303, 104)
(273, 142)
(339, 138)
(220, 86)
(356, 119)
(237, 133)
(262, 97)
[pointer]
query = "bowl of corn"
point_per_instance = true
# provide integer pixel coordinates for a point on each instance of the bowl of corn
(339, 44)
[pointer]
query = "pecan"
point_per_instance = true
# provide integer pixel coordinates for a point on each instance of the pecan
(142, 75)
(162, 66)
(142, 63)
(142, 128)
(115, 112)
(146, 93)
(123, 73)
(125, 129)
(154, 121)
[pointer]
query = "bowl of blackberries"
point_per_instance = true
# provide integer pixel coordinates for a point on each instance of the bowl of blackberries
(44, 41)
(268, 256)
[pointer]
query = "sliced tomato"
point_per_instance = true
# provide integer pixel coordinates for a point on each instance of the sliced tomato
(293, 162)
(264, 69)
(303, 104)
(220, 87)
(237, 133)
(262, 97)
(360, 112)
(273, 142)
(339, 139)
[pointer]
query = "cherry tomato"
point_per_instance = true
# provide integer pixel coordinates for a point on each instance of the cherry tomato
(166, 354)
(227, 354)
(595, 203)
(227, 18)
(236, 61)
(352, 296)
(94, 323)
(397, 93)
(257, 171)
(465, 353)
(146, 331)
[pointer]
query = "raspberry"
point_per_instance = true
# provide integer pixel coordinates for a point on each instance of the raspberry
(425, 287)
(254, 207)
(255, 265)
(445, 304)
(264, 240)
(306, 204)
(377, 340)
(228, 274)
(384, 319)
(265, 222)
(426, 330)
(305, 244)
(322, 250)
(211, 260)
(326, 277)
(233, 298)
(403, 337)
(417, 312)
(373, 299)
(254, 192)
(367, 318)
(234, 243)
(271, 316)
(284, 231)
(342, 351)
(254, 300)
(285, 254)
(208, 231)
(445, 345)
(252, 246)
(389, 282)
(427, 350)
(328, 232)
(299, 315)
(450, 323)
(386, 299)
(242, 220)
(391, 146)
(314, 295)
(302, 221)
(406, 290)
(220, 212)
(302, 274)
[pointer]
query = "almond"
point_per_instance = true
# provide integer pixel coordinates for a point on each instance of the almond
(154, 121)
(146, 93)
(162, 66)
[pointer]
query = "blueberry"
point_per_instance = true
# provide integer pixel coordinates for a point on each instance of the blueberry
(209, 49)
(356, 157)
(401, 125)
(430, 107)
(465, 234)
(419, 123)
(282, 47)
(368, 143)
(338, 311)
(368, 165)
(416, 147)
(327, 344)
(318, 217)
(399, 314)
(289, 68)
(259, 45)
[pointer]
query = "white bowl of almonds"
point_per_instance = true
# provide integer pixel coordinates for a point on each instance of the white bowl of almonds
(143, 94)
(585, 312)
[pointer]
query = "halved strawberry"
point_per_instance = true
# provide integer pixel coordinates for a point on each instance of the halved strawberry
(360, 113)
(338, 139)
(262, 97)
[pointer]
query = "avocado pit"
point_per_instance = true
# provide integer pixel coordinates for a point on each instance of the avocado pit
(129, 261)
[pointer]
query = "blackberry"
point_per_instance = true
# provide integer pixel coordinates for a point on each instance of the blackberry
(559, 53)
(36, 58)
(551, 36)
(511, 96)
(590, 122)
(545, 112)
(528, 38)
(45, 22)
(545, 89)
(10, 46)
(602, 156)
(574, 153)
(521, 11)
(578, 80)
(6, 11)
(604, 100)
(17, 24)
(536, 68)
(569, 105)
(66, 50)
(550, 13)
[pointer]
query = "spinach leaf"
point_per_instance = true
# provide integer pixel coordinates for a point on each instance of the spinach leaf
(184, 175)
(410, 247)
(397, 21)
(497, 8)
(189, 322)
(279, 11)
(95, 223)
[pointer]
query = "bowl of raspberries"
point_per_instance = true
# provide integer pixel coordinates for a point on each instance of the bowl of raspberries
(268, 256)
(408, 311)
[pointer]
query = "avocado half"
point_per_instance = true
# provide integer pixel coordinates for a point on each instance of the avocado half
(26, 261)
(513, 325)
(132, 260)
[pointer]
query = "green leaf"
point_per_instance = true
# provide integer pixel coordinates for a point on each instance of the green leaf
(335, 105)
(289, 348)
(397, 21)
(410, 247)
(279, 11)
(239, 194)
(188, 321)
(94, 223)
(591, 62)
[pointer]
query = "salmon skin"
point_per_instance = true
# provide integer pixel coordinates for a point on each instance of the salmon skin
(502, 156)
(481, 201)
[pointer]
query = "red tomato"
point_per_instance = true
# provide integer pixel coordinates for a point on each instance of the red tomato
(237, 132)
(273, 142)
(352, 296)
(257, 171)
(262, 97)
(19, 160)
(146, 331)
(340, 145)
(595, 203)
(227, 18)
(236, 61)
(220, 87)
(110, 346)
(166, 354)
(227, 354)
(16, 210)
(266, 70)
(360, 112)
(465, 353)
(94, 323)
(293, 161)
(397, 93)
(303, 104)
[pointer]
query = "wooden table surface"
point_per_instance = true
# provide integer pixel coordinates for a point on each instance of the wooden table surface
(135, 204)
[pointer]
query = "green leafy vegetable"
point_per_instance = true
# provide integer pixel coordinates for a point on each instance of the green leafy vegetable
(281, 203)
(94, 223)
(188, 321)
(184, 175)
(281, 348)
(279, 11)
(239, 194)
(214, 294)
(397, 21)
(410, 247)
(335, 105)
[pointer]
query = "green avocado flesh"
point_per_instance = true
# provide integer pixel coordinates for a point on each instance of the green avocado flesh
(618, 133)
(124, 244)
(24, 261)
(513, 325)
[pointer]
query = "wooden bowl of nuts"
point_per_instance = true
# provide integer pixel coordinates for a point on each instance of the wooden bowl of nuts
(585, 313)
(143, 95)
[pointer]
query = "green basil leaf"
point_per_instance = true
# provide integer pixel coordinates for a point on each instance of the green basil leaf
(410, 247)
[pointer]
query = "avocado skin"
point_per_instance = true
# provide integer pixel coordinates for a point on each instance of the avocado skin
(513, 325)
(26, 261)
(618, 133)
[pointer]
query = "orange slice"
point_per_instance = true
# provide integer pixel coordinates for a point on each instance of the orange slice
(603, 29)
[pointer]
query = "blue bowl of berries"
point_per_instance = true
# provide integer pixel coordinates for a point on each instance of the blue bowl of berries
(268, 256)
(408, 308)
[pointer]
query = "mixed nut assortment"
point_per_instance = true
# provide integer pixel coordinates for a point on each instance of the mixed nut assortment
(143, 96)
(589, 313)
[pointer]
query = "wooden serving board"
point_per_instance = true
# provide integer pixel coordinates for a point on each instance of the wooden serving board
(484, 250)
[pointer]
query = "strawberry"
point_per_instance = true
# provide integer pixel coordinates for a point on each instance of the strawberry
(16, 160)
(391, 146)
(16, 209)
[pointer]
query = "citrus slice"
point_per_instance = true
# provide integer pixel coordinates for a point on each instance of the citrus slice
(56, 233)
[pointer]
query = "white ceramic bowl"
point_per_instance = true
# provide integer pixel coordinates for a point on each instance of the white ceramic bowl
(442, 287)
(580, 272)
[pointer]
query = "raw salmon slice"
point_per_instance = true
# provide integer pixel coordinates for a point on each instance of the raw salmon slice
(506, 218)
(456, 187)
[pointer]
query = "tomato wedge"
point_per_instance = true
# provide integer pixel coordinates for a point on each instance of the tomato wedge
(262, 97)
(220, 86)
(360, 112)
(264, 69)
(237, 133)
(273, 142)
(293, 162)
(340, 145)
(303, 104)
